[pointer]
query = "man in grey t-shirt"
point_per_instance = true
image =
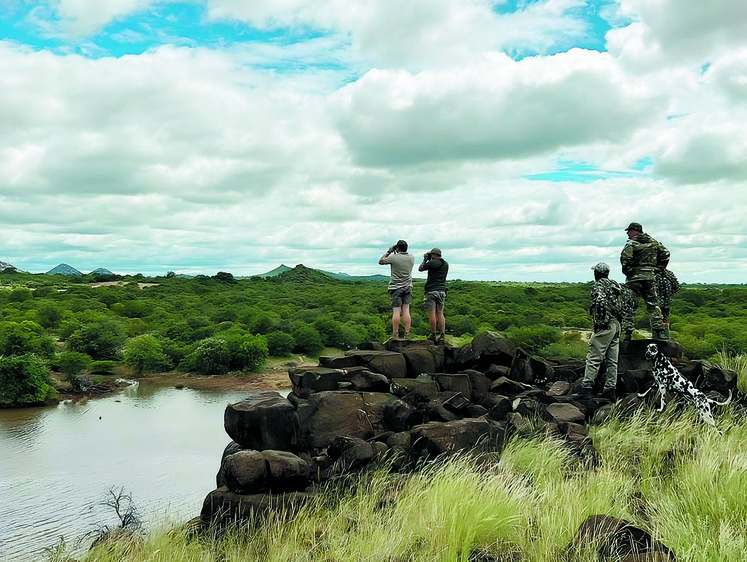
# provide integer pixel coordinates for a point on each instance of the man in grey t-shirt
(400, 285)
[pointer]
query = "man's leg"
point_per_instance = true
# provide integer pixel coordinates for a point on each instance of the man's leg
(628, 324)
(395, 320)
(611, 357)
(406, 318)
(598, 344)
(441, 321)
(652, 305)
(432, 316)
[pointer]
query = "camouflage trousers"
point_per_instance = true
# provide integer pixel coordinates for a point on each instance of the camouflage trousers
(604, 347)
(645, 289)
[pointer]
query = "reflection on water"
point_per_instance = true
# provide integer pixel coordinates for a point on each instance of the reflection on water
(162, 444)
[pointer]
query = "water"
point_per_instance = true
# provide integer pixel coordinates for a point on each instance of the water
(161, 444)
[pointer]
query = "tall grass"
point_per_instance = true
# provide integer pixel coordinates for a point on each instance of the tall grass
(736, 363)
(665, 472)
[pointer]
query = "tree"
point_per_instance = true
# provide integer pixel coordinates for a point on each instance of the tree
(224, 277)
(245, 351)
(20, 294)
(307, 339)
(146, 355)
(100, 340)
(19, 338)
(24, 380)
(211, 357)
(71, 364)
(280, 344)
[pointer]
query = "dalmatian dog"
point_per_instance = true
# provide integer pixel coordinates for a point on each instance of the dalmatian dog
(669, 379)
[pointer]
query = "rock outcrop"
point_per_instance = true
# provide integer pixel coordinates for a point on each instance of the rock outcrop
(410, 401)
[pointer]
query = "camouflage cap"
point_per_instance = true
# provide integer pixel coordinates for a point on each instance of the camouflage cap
(635, 226)
(602, 268)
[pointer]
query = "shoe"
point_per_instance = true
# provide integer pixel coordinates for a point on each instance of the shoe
(626, 336)
(610, 395)
(584, 392)
(432, 337)
(407, 335)
(658, 334)
(442, 337)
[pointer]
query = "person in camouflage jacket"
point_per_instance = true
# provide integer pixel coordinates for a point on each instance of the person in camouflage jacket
(641, 258)
(610, 301)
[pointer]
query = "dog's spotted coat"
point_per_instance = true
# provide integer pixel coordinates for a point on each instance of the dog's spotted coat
(669, 379)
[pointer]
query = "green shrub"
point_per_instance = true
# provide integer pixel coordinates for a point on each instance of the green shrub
(307, 339)
(72, 363)
(24, 380)
(20, 294)
(210, 357)
(102, 367)
(20, 338)
(246, 352)
(280, 344)
(533, 338)
(101, 340)
(145, 354)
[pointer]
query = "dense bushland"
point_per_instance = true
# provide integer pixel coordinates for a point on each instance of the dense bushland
(219, 324)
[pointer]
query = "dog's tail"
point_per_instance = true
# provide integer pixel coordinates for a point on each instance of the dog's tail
(728, 400)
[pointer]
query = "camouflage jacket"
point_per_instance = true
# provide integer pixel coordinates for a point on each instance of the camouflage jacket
(642, 256)
(609, 299)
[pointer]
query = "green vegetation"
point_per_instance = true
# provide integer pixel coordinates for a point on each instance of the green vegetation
(222, 324)
(665, 473)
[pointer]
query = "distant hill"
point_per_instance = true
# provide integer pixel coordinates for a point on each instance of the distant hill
(281, 269)
(7, 266)
(101, 271)
(64, 269)
(303, 274)
(345, 277)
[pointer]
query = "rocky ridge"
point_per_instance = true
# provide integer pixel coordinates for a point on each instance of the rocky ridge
(409, 401)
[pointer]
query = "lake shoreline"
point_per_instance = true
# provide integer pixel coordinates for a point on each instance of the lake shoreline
(273, 377)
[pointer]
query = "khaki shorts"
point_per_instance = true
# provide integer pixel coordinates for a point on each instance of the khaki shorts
(400, 296)
(435, 299)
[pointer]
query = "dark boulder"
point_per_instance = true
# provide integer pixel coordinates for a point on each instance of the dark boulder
(326, 415)
(224, 506)
(265, 420)
(616, 539)
(433, 439)
(390, 364)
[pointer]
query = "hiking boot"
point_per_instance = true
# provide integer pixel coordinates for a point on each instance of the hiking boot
(441, 337)
(432, 337)
(658, 334)
(610, 395)
(626, 336)
(584, 392)
(407, 335)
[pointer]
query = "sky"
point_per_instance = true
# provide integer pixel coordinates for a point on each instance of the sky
(520, 137)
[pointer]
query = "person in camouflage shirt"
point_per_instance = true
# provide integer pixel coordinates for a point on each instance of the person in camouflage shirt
(609, 303)
(641, 258)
